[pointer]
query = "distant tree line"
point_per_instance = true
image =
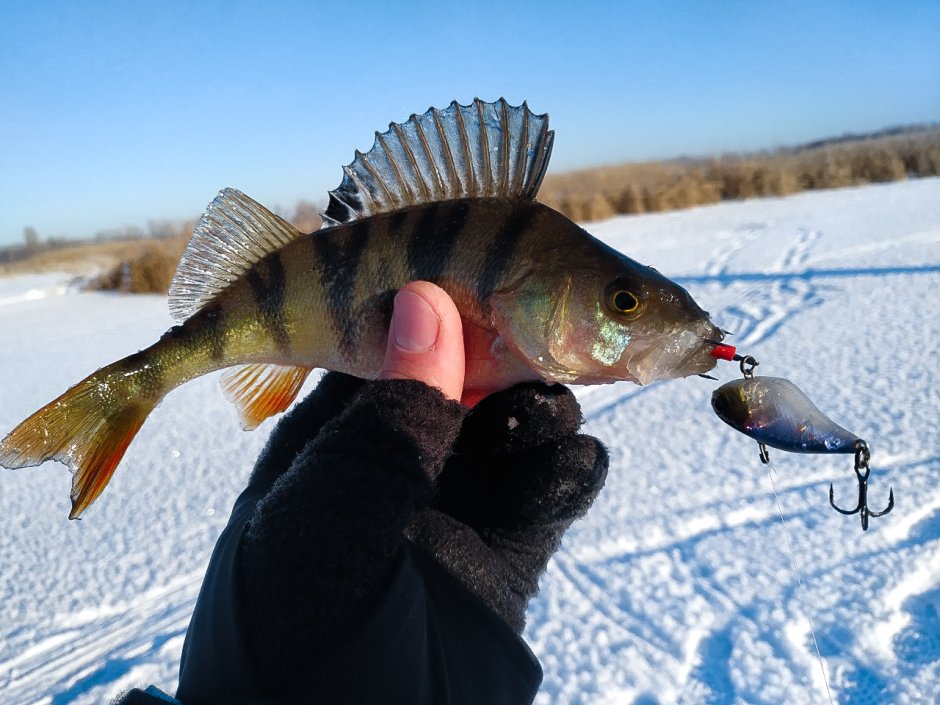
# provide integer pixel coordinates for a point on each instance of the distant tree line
(32, 245)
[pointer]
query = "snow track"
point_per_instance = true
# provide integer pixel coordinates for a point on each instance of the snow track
(676, 588)
(92, 652)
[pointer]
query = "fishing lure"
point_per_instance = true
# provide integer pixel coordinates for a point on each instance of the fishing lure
(776, 413)
(447, 197)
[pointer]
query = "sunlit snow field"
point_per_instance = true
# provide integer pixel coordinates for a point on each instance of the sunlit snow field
(678, 587)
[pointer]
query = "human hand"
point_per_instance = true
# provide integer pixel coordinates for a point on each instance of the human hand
(520, 473)
(352, 471)
(423, 310)
(425, 339)
(343, 475)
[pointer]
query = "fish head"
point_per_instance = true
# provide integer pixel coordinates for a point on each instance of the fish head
(584, 313)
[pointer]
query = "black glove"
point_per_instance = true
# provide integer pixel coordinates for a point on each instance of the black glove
(325, 534)
(357, 467)
(519, 476)
(302, 424)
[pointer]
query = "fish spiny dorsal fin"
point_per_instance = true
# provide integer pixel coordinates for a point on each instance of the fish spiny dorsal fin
(261, 390)
(482, 150)
(233, 234)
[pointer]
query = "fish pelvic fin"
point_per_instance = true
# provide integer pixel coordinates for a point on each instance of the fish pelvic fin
(88, 428)
(234, 234)
(481, 150)
(262, 390)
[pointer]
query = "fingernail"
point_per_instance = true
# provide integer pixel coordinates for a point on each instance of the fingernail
(414, 323)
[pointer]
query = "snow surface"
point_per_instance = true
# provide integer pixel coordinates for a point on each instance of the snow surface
(678, 587)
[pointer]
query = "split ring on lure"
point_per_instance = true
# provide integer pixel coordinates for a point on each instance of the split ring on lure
(776, 413)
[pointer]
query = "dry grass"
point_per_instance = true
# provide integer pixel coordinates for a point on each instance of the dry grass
(601, 192)
(149, 270)
(147, 265)
(81, 258)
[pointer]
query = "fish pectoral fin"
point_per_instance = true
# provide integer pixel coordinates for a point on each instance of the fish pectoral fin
(262, 390)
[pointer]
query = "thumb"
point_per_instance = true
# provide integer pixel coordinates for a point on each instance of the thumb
(425, 339)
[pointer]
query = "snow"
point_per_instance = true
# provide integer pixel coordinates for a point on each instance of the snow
(678, 587)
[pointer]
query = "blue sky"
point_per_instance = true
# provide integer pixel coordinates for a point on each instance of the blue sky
(116, 113)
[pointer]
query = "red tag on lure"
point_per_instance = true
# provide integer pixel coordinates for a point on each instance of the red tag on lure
(724, 352)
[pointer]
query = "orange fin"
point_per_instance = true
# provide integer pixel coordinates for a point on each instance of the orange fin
(262, 390)
(85, 429)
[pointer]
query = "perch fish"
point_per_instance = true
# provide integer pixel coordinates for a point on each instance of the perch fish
(448, 197)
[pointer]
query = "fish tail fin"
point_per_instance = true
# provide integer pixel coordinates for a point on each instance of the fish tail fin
(88, 428)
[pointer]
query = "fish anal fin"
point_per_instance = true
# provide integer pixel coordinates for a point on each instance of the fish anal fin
(262, 390)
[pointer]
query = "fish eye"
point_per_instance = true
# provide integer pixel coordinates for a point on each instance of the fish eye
(623, 301)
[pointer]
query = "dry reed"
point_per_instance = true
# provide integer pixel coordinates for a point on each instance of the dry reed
(601, 192)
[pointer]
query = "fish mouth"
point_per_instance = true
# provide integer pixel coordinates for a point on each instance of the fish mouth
(677, 354)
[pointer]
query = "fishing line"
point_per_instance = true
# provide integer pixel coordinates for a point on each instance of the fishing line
(799, 581)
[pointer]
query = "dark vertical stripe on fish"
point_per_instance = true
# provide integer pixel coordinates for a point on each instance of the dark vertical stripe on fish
(434, 237)
(204, 331)
(339, 262)
(268, 290)
(397, 221)
(501, 251)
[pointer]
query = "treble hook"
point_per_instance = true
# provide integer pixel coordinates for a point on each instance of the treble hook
(862, 456)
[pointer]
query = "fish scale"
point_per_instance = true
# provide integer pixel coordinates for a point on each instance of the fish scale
(448, 197)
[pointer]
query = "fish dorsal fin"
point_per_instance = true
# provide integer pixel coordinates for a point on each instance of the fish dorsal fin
(463, 151)
(261, 390)
(233, 234)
